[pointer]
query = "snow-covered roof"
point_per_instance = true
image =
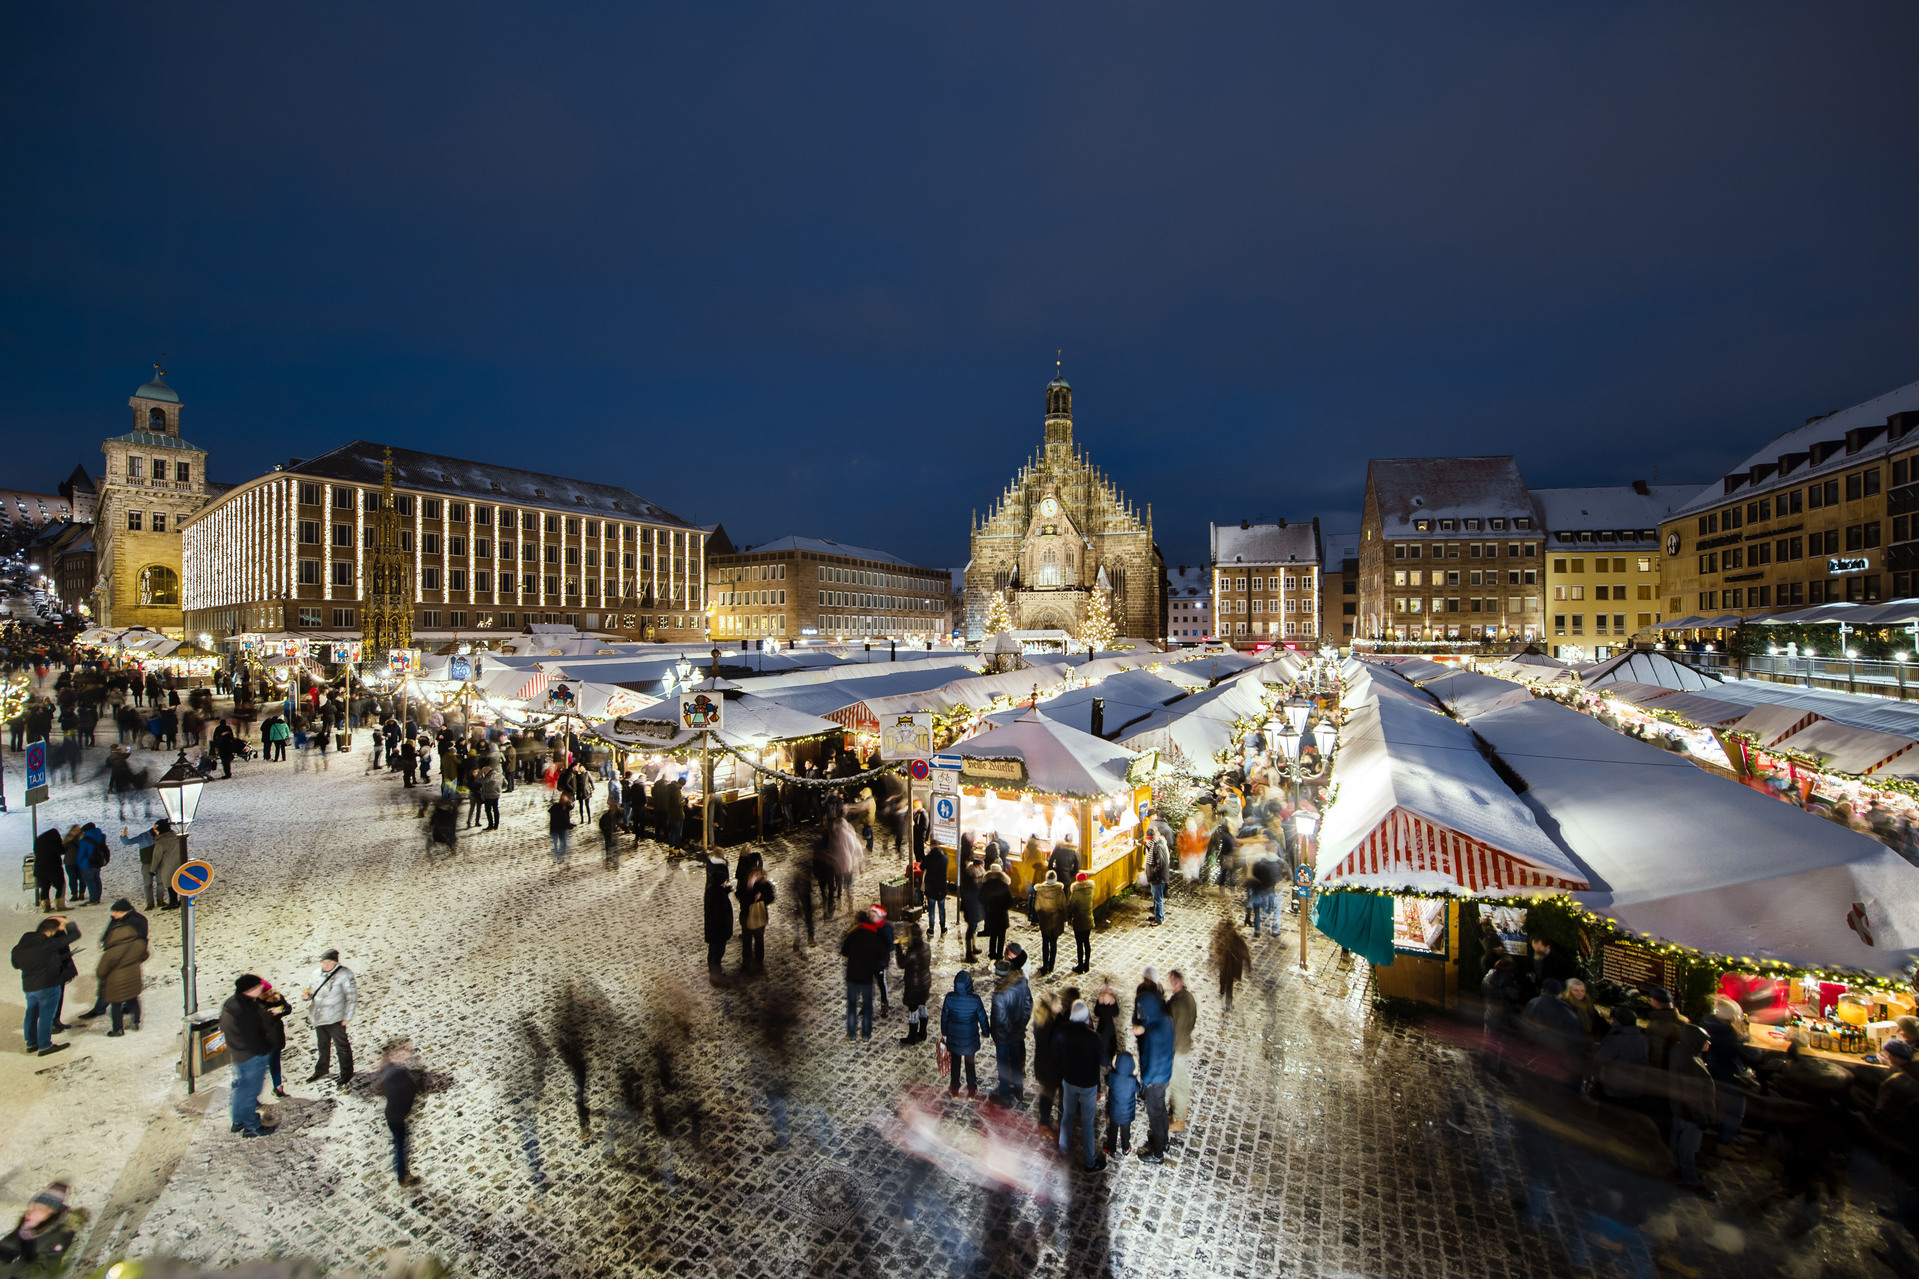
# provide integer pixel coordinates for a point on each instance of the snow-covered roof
(1265, 544)
(1189, 583)
(1420, 808)
(1620, 509)
(747, 723)
(1678, 854)
(361, 462)
(1468, 693)
(1859, 709)
(1339, 547)
(1197, 728)
(1647, 668)
(1409, 488)
(821, 546)
(1128, 696)
(1831, 428)
(1059, 759)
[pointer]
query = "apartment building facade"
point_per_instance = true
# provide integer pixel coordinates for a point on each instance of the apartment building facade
(1449, 549)
(806, 588)
(1266, 583)
(1827, 512)
(1339, 588)
(1603, 564)
(490, 549)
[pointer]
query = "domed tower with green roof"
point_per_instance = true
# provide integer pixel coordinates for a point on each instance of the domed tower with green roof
(154, 480)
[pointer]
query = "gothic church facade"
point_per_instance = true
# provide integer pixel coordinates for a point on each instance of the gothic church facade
(1060, 531)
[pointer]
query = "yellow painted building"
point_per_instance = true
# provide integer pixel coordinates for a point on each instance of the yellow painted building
(1602, 564)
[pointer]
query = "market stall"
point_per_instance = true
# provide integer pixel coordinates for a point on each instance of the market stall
(1037, 778)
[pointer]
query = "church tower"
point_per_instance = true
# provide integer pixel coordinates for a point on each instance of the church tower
(153, 481)
(1059, 530)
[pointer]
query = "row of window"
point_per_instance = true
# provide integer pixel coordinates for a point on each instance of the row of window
(485, 516)
(1858, 486)
(1858, 589)
(1293, 605)
(738, 599)
(139, 467)
(1601, 592)
(868, 577)
(1857, 537)
(1294, 626)
(1473, 577)
(1471, 523)
(155, 520)
(1600, 627)
(341, 574)
(1261, 583)
(854, 599)
(1474, 550)
(1602, 564)
(1451, 604)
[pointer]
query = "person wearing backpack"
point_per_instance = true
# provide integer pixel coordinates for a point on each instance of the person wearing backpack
(92, 855)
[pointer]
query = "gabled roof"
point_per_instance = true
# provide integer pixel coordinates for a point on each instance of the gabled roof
(1406, 488)
(361, 463)
(1830, 427)
(1266, 543)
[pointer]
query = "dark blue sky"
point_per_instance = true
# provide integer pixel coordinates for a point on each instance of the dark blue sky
(802, 268)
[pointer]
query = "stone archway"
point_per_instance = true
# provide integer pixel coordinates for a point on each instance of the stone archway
(1035, 616)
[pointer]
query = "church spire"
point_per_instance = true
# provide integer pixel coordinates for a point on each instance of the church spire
(1059, 417)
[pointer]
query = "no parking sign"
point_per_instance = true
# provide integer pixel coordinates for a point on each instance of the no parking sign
(36, 772)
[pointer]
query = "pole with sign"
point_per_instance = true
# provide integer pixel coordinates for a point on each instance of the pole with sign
(908, 737)
(704, 713)
(189, 881)
(1303, 880)
(36, 781)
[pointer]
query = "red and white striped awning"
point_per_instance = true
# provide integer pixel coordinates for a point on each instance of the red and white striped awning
(1406, 847)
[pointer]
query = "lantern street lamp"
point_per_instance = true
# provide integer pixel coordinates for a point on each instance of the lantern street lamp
(180, 788)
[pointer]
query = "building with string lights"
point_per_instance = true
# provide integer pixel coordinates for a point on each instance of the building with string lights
(483, 550)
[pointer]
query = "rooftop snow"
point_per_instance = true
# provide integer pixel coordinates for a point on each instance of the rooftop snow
(1406, 488)
(1265, 544)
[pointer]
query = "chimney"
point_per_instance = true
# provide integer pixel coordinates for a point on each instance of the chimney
(1245, 523)
(1098, 725)
(1639, 487)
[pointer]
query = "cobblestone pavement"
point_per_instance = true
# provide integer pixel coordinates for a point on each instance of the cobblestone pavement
(1327, 1139)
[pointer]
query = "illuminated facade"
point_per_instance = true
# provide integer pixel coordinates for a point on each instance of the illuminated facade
(484, 549)
(1056, 527)
(1266, 584)
(154, 483)
(800, 588)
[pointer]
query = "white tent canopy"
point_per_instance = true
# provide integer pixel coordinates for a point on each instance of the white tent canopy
(1468, 693)
(1647, 668)
(1058, 759)
(1678, 854)
(1420, 809)
(748, 723)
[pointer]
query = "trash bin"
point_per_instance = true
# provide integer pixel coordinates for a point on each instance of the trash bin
(206, 1043)
(896, 894)
(344, 741)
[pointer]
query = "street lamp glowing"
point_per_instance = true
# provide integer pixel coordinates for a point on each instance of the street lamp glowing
(1852, 654)
(180, 789)
(1325, 734)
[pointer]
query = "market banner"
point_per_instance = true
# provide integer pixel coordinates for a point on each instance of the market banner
(993, 772)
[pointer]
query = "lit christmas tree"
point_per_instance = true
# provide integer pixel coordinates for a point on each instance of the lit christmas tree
(1097, 631)
(998, 619)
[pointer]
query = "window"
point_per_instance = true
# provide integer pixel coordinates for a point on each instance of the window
(159, 521)
(1559, 623)
(430, 508)
(1559, 566)
(182, 471)
(1399, 551)
(309, 572)
(1645, 593)
(1792, 503)
(404, 504)
(552, 554)
(483, 582)
(310, 532)
(482, 549)
(456, 511)
(572, 554)
(553, 586)
(1239, 583)
(429, 543)
(342, 573)
(309, 617)
(134, 519)
(1446, 526)
(136, 467)
(430, 578)
(1524, 521)
(344, 617)
(159, 468)
(456, 579)
(309, 495)
(1735, 557)
(159, 585)
(457, 618)
(456, 546)
(1645, 564)
(1872, 528)
(343, 535)
(430, 618)
(343, 499)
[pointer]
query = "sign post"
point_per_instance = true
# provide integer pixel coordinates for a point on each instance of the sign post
(189, 881)
(1303, 878)
(908, 737)
(946, 801)
(704, 713)
(36, 775)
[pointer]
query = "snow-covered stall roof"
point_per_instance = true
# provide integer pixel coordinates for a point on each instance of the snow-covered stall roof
(1858, 709)
(1647, 668)
(1468, 693)
(749, 723)
(849, 702)
(1415, 669)
(1678, 854)
(1057, 758)
(1694, 707)
(1420, 809)
(1198, 727)
(1128, 696)
(1842, 748)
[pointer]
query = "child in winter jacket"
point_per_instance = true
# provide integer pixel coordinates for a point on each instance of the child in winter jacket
(1122, 1095)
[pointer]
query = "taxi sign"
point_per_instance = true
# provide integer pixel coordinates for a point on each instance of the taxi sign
(192, 878)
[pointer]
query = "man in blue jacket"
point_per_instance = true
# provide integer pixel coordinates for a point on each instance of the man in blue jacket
(1154, 1028)
(1012, 1011)
(963, 1027)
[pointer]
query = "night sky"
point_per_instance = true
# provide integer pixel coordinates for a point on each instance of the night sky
(803, 268)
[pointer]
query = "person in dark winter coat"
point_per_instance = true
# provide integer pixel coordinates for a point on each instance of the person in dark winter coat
(755, 895)
(1080, 908)
(866, 953)
(1619, 1063)
(916, 969)
(1122, 1095)
(1500, 987)
(996, 903)
(1049, 912)
(1064, 861)
(1550, 1022)
(719, 914)
(399, 1083)
(45, 960)
(1012, 1011)
(933, 886)
(1106, 1025)
(243, 1022)
(41, 1243)
(963, 1027)
(1231, 958)
(970, 872)
(49, 871)
(1154, 1029)
(123, 949)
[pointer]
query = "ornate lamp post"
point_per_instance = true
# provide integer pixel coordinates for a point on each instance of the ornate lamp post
(180, 788)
